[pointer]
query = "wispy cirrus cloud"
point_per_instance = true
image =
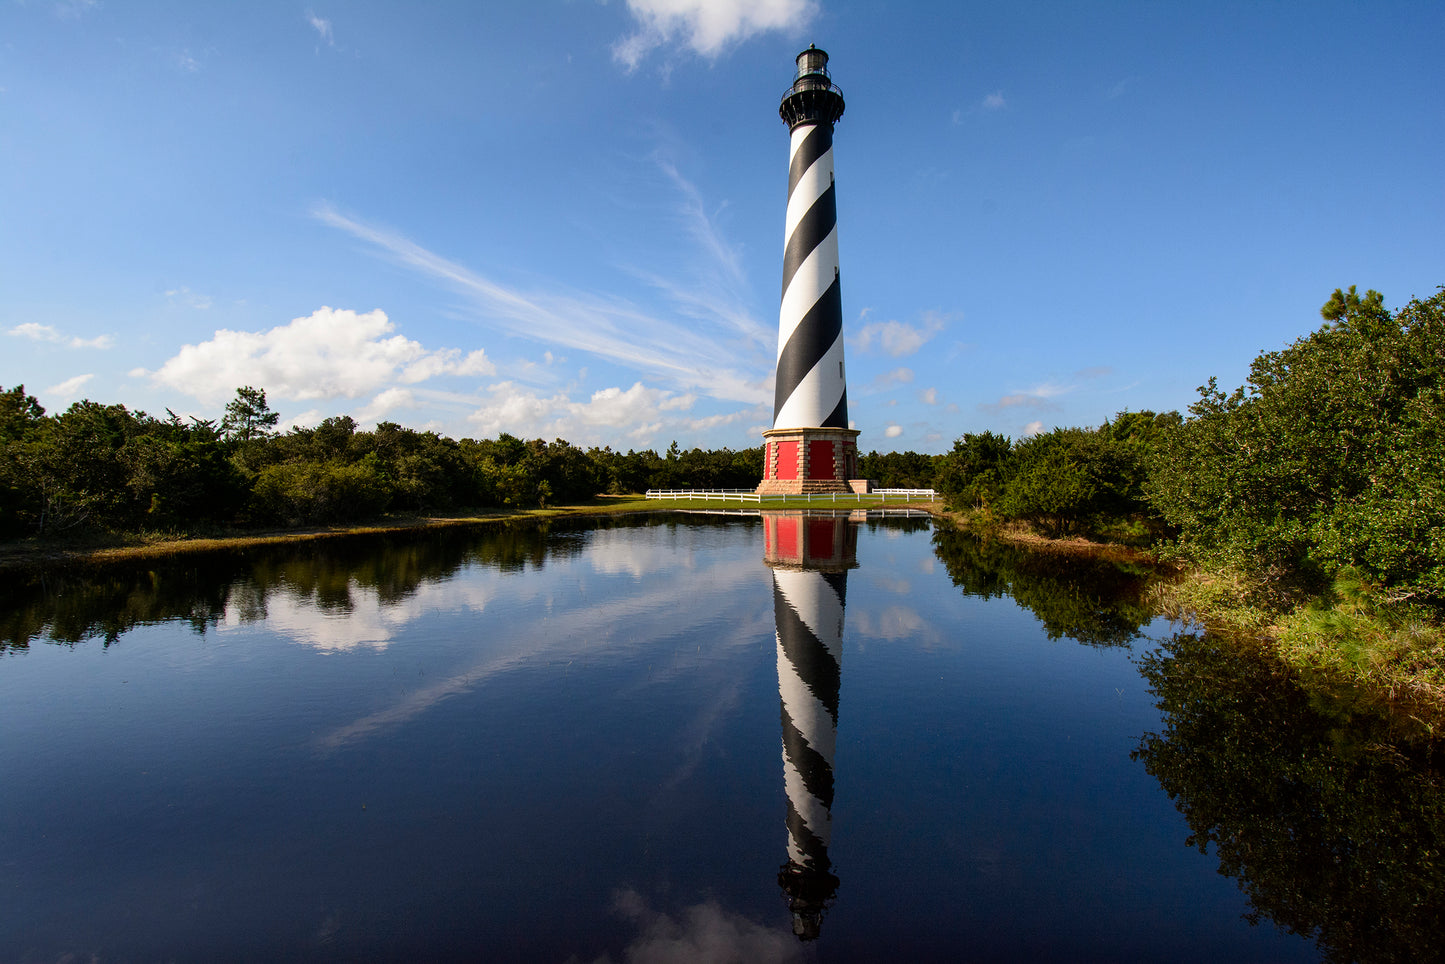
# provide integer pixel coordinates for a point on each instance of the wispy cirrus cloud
(1040, 397)
(608, 327)
(716, 287)
(707, 27)
(46, 333)
(322, 26)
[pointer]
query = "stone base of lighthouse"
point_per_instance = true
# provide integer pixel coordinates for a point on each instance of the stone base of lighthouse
(798, 460)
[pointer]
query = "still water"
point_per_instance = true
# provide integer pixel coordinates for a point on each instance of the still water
(678, 738)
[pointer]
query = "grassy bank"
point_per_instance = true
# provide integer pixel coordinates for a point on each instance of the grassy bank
(98, 548)
(1348, 643)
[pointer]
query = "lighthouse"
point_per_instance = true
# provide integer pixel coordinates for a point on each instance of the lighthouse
(810, 447)
(810, 557)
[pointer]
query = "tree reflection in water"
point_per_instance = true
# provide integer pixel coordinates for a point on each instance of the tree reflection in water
(1332, 828)
(106, 601)
(1093, 602)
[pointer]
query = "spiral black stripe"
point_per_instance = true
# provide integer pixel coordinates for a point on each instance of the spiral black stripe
(815, 665)
(809, 342)
(816, 143)
(812, 229)
(812, 766)
(814, 850)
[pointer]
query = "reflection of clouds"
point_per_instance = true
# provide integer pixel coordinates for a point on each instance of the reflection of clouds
(891, 584)
(612, 627)
(894, 622)
(618, 552)
(368, 622)
(704, 933)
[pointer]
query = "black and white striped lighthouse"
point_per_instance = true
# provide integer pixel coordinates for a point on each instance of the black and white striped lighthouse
(810, 447)
(810, 557)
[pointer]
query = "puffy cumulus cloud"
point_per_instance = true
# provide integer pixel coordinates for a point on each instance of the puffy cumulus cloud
(1033, 428)
(66, 391)
(893, 431)
(385, 402)
(310, 418)
(330, 353)
(523, 412)
(896, 339)
(705, 26)
(38, 332)
(929, 396)
(705, 933)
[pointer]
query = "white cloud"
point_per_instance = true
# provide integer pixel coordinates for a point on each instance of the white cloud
(898, 376)
(322, 27)
(611, 328)
(189, 297)
(73, 9)
(1033, 428)
(993, 101)
(704, 933)
(929, 396)
(38, 332)
(640, 414)
(384, 403)
(526, 413)
(310, 418)
(330, 353)
(1038, 397)
(896, 339)
(705, 26)
(893, 431)
(66, 391)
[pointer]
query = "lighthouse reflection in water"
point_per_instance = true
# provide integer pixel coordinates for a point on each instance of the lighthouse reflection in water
(810, 556)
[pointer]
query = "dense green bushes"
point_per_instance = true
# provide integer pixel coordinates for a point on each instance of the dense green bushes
(103, 467)
(1329, 458)
(1068, 480)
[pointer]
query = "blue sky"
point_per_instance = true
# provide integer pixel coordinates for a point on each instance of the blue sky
(563, 218)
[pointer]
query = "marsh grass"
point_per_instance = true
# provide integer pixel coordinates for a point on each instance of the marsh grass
(1347, 641)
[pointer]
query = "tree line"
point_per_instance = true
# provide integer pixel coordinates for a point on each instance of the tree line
(98, 467)
(1330, 459)
(1327, 459)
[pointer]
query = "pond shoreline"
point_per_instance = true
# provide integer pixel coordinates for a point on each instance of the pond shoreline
(1403, 691)
(23, 557)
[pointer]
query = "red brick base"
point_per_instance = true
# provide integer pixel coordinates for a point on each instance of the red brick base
(798, 460)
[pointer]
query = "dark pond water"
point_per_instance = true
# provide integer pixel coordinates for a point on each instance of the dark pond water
(697, 738)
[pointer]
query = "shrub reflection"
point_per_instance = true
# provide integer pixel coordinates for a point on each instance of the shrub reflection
(1332, 828)
(1095, 602)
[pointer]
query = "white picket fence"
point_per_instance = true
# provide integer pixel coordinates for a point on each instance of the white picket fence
(811, 498)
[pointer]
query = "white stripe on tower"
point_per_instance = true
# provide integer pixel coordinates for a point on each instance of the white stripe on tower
(811, 389)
